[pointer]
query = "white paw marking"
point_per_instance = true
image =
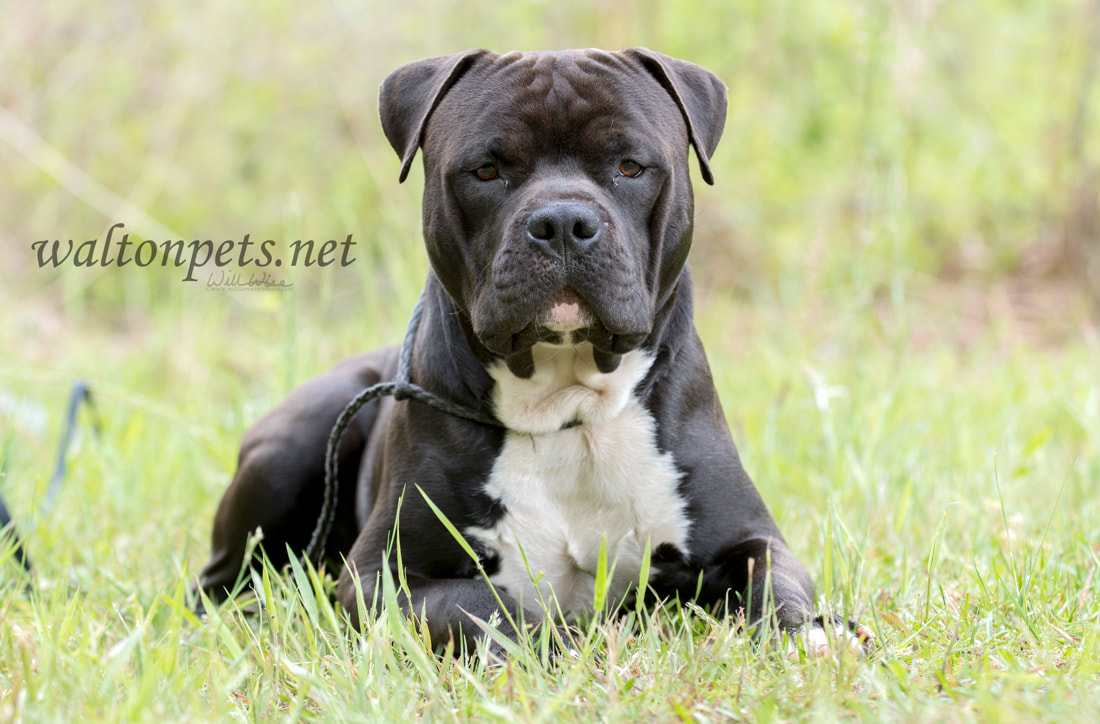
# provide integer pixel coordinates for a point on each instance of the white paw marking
(820, 642)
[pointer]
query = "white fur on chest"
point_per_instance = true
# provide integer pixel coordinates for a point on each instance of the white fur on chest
(567, 491)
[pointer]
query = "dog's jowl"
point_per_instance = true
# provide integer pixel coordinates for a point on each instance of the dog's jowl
(557, 215)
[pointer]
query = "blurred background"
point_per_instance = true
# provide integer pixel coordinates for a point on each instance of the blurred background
(898, 180)
(947, 151)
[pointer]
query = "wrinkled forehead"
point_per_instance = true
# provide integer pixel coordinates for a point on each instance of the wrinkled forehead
(571, 101)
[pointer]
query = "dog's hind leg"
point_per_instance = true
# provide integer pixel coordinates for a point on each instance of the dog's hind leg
(279, 484)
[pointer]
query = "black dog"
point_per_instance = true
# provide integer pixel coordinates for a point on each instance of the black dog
(558, 218)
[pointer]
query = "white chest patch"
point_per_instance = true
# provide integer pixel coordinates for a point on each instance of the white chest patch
(567, 491)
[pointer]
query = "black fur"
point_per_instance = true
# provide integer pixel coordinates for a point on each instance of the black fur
(553, 126)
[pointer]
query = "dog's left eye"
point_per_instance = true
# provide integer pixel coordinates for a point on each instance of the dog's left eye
(487, 172)
(631, 168)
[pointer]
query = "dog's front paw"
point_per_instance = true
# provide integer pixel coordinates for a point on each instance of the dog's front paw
(828, 633)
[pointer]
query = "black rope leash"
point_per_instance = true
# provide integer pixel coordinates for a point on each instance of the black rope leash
(80, 393)
(19, 552)
(402, 389)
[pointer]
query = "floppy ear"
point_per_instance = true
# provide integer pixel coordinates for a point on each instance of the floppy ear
(700, 95)
(410, 94)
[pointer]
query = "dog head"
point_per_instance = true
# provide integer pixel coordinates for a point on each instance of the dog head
(557, 204)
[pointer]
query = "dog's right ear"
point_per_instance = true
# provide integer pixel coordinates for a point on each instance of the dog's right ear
(410, 94)
(700, 96)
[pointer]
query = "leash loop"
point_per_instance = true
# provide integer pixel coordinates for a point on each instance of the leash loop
(401, 388)
(402, 392)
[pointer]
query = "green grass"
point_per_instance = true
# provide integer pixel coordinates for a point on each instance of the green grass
(897, 288)
(948, 502)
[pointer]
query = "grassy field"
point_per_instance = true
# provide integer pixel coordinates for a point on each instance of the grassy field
(898, 287)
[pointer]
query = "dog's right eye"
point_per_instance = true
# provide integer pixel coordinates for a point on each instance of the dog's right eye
(487, 172)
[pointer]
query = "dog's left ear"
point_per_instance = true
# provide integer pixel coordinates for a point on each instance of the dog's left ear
(700, 95)
(408, 96)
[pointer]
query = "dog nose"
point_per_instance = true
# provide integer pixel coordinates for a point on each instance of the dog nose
(561, 228)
